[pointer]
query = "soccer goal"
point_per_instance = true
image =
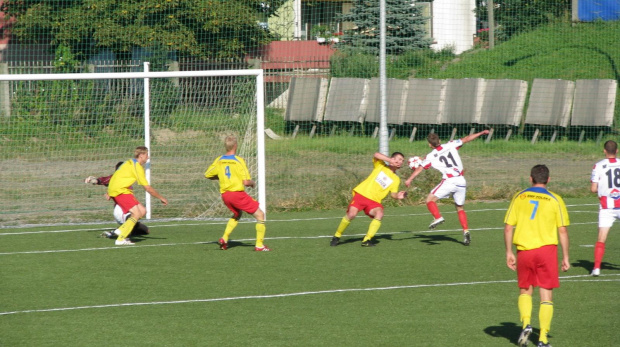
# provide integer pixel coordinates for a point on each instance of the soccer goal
(57, 129)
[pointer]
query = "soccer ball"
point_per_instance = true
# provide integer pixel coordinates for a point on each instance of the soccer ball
(414, 162)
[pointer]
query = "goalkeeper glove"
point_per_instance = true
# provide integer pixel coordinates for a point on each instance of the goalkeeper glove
(91, 179)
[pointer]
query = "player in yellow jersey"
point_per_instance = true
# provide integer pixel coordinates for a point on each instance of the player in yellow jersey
(539, 215)
(367, 196)
(120, 189)
(233, 175)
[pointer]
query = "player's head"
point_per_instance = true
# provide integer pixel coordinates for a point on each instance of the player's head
(611, 147)
(540, 174)
(230, 142)
(142, 154)
(433, 140)
(400, 158)
(118, 165)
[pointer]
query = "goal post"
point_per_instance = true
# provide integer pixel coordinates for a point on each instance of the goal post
(65, 126)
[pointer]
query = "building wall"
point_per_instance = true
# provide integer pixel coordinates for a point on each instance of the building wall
(454, 24)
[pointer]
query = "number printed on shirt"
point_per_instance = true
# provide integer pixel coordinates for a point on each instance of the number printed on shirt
(535, 203)
(613, 178)
(444, 160)
(227, 171)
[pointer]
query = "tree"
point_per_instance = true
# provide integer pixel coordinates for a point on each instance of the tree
(405, 27)
(200, 28)
(518, 16)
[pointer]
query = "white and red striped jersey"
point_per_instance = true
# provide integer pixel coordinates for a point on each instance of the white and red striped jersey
(446, 159)
(606, 173)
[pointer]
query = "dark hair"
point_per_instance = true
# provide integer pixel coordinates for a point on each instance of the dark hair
(540, 174)
(118, 165)
(397, 153)
(611, 147)
(433, 139)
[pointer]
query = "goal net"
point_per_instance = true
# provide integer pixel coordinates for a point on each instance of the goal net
(58, 129)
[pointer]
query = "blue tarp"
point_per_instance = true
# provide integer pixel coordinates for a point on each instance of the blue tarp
(591, 10)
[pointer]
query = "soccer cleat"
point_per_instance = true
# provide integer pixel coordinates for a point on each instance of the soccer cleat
(108, 235)
(125, 242)
(436, 222)
(596, 272)
(223, 244)
(466, 238)
(368, 244)
(335, 241)
(540, 344)
(262, 249)
(524, 338)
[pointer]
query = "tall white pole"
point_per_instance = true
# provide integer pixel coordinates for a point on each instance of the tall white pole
(297, 19)
(147, 137)
(383, 130)
(260, 139)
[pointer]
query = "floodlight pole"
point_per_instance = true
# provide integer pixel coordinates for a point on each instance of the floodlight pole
(383, 131)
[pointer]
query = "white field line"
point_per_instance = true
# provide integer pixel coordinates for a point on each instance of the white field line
(579, 278)
(243, 221)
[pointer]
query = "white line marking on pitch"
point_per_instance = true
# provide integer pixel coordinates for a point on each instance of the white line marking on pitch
(284, 295)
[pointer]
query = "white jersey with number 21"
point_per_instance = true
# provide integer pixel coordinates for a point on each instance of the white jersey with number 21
(446, 159)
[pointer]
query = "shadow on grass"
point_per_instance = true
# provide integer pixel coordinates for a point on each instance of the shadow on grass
(432, 240)
(589, 265)
(376, 240)
(511, 331)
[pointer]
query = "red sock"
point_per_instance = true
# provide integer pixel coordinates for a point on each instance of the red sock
(433, 209)
(599, 252)
(463, 219)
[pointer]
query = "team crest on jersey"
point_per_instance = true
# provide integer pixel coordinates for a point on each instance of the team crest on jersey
(614, 194)
(383, 180)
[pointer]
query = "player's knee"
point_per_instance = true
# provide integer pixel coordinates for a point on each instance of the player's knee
(259, 215)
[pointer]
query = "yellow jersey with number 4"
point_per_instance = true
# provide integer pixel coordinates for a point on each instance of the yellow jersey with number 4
(536, 214)
(231, 171)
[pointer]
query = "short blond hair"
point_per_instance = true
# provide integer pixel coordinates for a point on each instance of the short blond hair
(140, 150)
(230, 142)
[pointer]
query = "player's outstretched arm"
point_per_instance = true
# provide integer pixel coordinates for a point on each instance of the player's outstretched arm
(156, 194)
(414, 174)
(472, 137)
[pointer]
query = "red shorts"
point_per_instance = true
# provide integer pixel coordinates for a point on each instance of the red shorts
(362, 203)
(240, 201)
(538, 267)
(126, 201)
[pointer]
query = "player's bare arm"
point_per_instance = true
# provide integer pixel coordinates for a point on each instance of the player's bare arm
(399, 196)
(563, 236)
(381, 156)
(474, 136)
(249, 183)
(156, 194)
(414, 174)
(594, 187)
(511, 260)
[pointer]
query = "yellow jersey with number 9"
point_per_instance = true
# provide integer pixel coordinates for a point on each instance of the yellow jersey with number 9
(231, 171)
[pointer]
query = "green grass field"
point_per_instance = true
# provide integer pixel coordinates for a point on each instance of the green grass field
(65, 286)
